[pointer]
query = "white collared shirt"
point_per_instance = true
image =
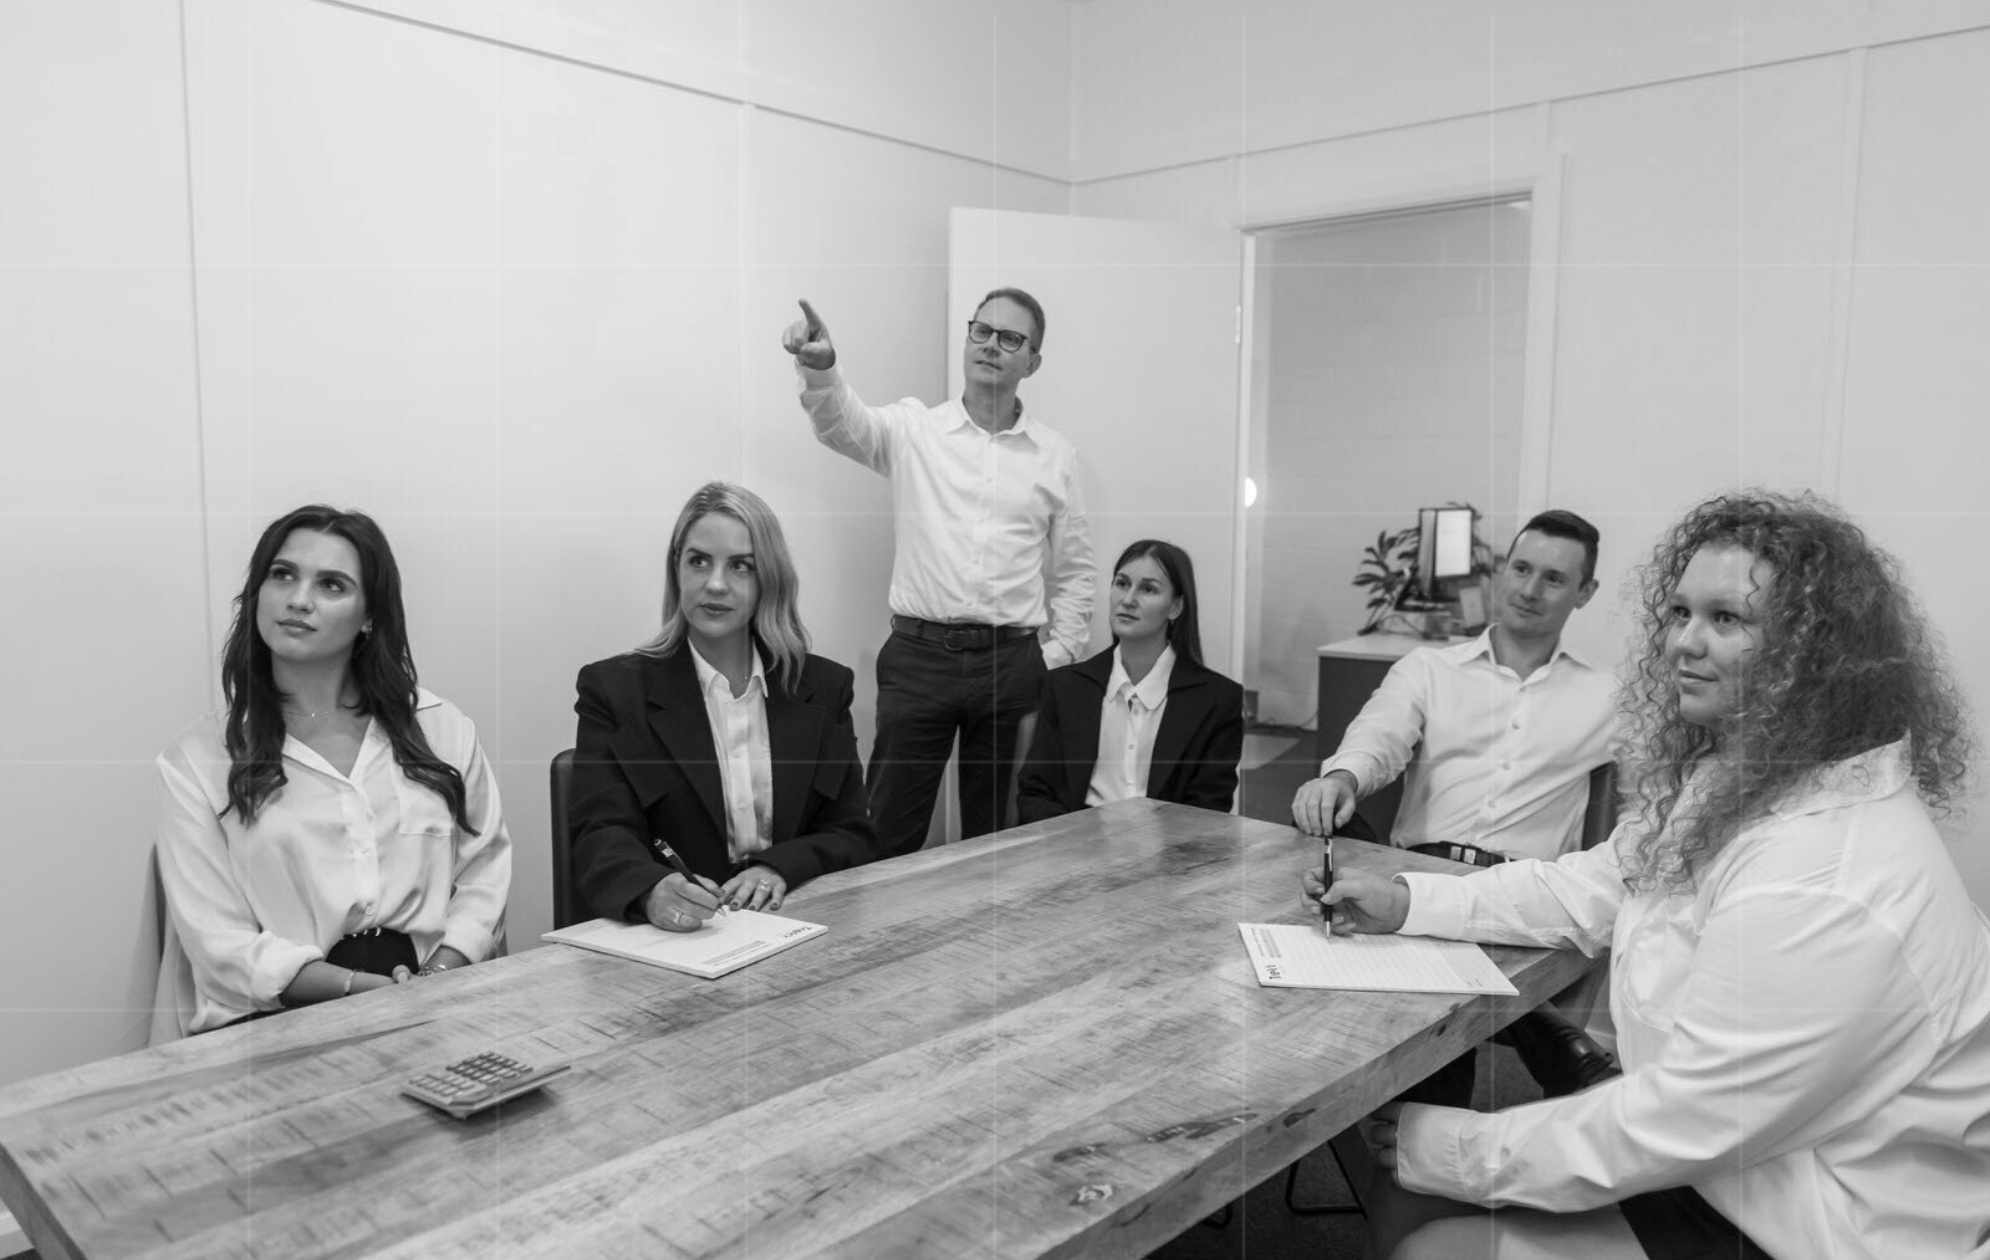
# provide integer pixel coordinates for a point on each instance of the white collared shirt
(1492, 760)
(1128, 718)
(990, 527)
(328, 855)
(746, 761)
(1805, 1034)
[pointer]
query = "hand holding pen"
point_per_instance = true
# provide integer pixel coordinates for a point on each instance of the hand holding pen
(681, 901)
(1355, 901)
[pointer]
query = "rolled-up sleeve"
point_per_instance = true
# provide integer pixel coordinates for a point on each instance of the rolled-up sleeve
(1071, 577)
(1384, 735)
(482, 877)
(235, 961)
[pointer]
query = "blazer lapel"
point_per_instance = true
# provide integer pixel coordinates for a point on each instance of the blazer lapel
(794, 741)
(677, 715)
(1178, 720)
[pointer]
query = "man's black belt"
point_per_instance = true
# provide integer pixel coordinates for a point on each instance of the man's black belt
(959, 636)
(1470, 854)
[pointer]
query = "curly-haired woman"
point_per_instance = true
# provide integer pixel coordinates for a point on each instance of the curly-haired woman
(1800, 983)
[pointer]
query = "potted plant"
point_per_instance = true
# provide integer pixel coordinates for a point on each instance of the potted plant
(1389, 567)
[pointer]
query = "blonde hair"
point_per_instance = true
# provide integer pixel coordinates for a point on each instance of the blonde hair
(777, 625)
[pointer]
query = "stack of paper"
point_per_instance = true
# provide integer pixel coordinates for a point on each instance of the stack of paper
(725, 943)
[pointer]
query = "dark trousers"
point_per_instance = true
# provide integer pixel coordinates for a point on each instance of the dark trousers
(927, 693)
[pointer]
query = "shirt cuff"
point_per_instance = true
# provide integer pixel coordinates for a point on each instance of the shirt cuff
(1361, 766)
(815, 379)
(471, 939)
(1430, 1152)
(276, 967)
(1437, 905)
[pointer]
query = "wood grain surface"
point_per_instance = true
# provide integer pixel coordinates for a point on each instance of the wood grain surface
(1047, 1042)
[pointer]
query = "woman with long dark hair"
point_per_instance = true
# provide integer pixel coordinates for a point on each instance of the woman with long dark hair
(337, 823)
(1145, 717)
(1799, 981)
(721, 740)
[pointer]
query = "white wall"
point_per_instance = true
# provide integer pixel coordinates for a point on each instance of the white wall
(1771, 268)
(1396, 352)
(102, 604)
(515, 305)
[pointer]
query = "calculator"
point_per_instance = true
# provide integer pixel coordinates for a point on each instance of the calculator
(466, 1088)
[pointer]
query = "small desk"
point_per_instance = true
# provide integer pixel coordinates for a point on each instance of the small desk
(1350, 671)
(1046, 1042)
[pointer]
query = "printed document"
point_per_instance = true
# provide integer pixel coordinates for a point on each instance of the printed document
(725, 943)
(1298, 956)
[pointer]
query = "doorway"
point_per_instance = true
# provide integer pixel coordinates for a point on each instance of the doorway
(1389, 361)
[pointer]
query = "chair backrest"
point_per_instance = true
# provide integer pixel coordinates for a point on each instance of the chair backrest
(1599, 819)
(567, 909)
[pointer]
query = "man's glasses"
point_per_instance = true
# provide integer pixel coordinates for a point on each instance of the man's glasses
(979, 333)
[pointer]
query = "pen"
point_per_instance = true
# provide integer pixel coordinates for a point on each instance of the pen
(1327, 878)
(677, 864)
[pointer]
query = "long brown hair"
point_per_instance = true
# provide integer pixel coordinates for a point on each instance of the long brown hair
(382, 668)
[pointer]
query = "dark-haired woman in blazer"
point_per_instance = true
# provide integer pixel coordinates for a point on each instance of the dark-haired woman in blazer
(721, 739)
(1145, 717)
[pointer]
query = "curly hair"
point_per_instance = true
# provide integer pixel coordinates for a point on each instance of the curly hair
(1846, 662)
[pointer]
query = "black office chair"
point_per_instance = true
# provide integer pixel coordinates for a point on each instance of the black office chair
(567, 909)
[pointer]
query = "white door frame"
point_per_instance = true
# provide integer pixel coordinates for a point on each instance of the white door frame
(1541, 183)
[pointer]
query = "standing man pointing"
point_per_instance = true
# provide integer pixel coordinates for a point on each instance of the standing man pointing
(991, 578)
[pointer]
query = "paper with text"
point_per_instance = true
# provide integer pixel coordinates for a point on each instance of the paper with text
(1296, 956)
(726, 943)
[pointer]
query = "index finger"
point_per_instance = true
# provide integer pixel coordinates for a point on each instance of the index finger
(814, 320)
(701, 893)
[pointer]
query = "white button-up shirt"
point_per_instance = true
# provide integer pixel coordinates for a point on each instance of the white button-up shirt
(1491, 759)
(990, 526)
(1805, 1035)
(1128, 718)
(746, 761)
(328, 855)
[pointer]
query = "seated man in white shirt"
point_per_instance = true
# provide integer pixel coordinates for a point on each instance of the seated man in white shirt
(1496, 737)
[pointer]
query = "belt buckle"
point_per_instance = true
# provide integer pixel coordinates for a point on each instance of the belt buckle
(947, 638)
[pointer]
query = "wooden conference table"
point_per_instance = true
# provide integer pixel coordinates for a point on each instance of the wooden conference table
(1045, 1042)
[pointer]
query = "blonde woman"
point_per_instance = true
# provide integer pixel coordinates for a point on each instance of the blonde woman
(721, 741)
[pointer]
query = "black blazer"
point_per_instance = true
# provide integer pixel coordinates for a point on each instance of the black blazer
(1195, 751)
(645, 765)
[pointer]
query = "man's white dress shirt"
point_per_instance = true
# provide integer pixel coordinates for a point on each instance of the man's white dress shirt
(746, 761)
(1805, 1035)
(1129, 716)
(990, 526)
(1504, 762)
(328, 855)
